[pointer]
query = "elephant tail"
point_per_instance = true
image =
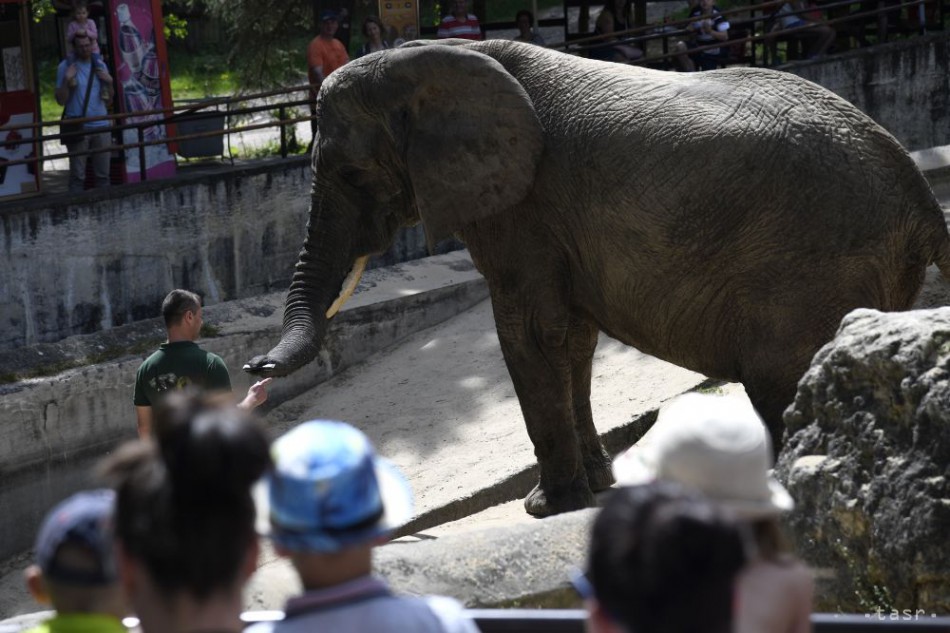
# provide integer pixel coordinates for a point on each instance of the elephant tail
(942, 256)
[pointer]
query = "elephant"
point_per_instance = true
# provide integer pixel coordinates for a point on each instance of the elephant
(724, 221)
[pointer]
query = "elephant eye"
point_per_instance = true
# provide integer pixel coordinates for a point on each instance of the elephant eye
(351, 176)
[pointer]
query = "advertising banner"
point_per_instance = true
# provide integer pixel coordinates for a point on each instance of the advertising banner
(142, 83)
(18, 108)
(401, 20)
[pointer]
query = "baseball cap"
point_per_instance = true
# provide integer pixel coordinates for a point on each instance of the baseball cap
(329, 490)
(717, 445)
(83, 520)
(329, 14)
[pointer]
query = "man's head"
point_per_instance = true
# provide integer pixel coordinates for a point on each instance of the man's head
(460, 9)
(82, 44)
(182, 312)
(329, 22)
(662, 559)
(329, 491)
(524, 20)
(75, 567)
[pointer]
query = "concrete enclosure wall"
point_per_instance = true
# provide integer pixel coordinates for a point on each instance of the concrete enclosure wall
(904, 86)
(82, 264)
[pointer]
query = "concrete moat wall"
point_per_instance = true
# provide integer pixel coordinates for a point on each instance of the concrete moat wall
(79, 264)
(904, 86)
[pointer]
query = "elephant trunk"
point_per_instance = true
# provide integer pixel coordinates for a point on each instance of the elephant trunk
(318, 277)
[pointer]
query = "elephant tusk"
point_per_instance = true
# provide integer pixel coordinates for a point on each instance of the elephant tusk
(349, 285)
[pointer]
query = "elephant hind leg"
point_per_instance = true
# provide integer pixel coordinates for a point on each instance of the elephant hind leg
(771, 389)
(534, 343)
(582, 340)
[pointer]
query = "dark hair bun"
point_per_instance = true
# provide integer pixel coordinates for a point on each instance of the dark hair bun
(212, 453)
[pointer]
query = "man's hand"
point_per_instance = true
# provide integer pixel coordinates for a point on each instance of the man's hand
(70, 74)
(256, 395)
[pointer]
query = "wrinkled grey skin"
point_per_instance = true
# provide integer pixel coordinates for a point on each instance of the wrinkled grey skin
(724, 221)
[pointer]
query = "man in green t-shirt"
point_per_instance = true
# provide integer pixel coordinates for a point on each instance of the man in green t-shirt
(180, 363)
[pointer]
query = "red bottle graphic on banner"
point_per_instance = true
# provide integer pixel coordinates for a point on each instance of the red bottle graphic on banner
(143, 87)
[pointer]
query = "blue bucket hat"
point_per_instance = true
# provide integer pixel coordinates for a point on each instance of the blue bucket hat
(83, 520)
(329, 490)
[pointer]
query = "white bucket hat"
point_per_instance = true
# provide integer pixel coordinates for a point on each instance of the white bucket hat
(717, 445)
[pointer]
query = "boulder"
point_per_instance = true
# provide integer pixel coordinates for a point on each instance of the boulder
(867, 459)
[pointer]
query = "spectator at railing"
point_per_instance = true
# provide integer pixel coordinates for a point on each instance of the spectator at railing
(708, 27)
(185, 517)
(81, 22)
(179, 363)
(616, 16)
(526, 33)
(460, 23)
(331, 501)
(662, 560)
(325, 54)
(83, 87)
(720, 447)
(373, 32)
(75, 566)
(818, 38)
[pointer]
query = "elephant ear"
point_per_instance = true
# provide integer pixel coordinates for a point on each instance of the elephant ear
(472, 137)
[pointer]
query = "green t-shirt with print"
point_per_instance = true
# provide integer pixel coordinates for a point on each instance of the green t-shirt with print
(176, 366)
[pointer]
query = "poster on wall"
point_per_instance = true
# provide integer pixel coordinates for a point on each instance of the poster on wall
(13, 75)
(17, 109)
(400, 19)
(142, 84)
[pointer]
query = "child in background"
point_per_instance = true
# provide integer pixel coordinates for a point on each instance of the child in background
(82, 22)
(75, 568)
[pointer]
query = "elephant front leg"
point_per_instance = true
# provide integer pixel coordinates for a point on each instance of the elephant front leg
(538, 360)
(582, 340)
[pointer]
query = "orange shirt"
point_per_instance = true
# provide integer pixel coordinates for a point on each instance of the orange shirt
(329, 54)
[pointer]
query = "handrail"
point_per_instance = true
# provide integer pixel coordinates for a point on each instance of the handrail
(574, 620)
(653, 32)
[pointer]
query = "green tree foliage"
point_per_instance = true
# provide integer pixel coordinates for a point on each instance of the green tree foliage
(268, 39)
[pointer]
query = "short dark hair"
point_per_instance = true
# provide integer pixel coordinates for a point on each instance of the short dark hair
(372, 19)
(79, 35)
(80, 4)
(663, 559)
(183, 502)
(177, 303)
(527, 13)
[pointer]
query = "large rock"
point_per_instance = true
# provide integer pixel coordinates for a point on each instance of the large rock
(867, 459)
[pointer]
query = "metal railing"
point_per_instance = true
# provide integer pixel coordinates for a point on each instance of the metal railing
(761, 18)
(143, 121)
(573, 621)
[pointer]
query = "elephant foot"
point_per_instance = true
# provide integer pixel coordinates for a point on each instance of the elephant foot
(541, 504)
(599, 474)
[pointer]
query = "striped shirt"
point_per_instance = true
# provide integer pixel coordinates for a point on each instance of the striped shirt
(467, 29)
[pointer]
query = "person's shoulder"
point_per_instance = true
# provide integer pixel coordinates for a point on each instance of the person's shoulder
(151, 358)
